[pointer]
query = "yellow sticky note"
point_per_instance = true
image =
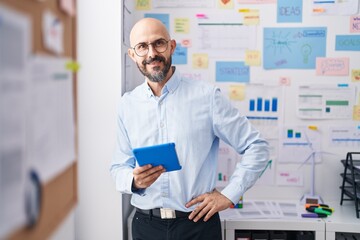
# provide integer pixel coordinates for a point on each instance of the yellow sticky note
(355, 75)
(356, 113)
(251, 17)
(253, 58)
(237, 92)
(72, 66)
(142, 4)
(182, 25)
(226, 4)
(200, 60)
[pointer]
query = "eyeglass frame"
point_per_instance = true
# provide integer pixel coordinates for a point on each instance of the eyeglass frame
(151, 43)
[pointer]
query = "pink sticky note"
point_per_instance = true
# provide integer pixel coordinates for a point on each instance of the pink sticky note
(332, 66)
(355, 24)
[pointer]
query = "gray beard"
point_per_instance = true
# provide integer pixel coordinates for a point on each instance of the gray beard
(159, 76)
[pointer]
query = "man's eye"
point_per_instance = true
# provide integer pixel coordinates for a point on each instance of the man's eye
(159, 43)
(141, 46)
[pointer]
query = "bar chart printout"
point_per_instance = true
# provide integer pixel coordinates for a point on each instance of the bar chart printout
(297, 143)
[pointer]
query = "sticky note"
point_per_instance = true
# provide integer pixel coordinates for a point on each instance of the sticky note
(356, 113)
(284, 81)
(251, 17)
(182, 25)
(347, 43)
(252, 57)
(355, 24)
(72, 66)
(237, 92)
(200, 61)
(142, 5)
(180, 55)
(186, 43)
(289, 11)
(226, 4)
(355, 75)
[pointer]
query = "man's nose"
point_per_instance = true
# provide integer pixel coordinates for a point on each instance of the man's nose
(152, 50)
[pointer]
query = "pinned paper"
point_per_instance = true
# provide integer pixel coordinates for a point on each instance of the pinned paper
(200, 61)
(355, 75)
(355, 24)
(284, 81)
(252, 57)
(332, 66)
(251, 17)
(356, 113)
(347, 43)
(53, 32)
(186, 43)
(142, 5)
(237, 92)
(72, 66)
(182, 25)
(226, 4)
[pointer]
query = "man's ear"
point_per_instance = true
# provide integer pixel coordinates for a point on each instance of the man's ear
(131, 54)
(172, 45)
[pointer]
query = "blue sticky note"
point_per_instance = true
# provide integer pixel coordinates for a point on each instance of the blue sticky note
(232, 72)
(180, 55)
(347, 43)
(164, 18)
(289, 11)
(293, 48)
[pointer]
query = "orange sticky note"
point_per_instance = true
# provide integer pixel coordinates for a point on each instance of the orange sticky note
(355, 75)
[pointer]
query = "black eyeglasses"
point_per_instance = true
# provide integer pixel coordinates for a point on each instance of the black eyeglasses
(160, 45)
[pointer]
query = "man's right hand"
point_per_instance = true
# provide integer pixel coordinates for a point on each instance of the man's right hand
(146, 175)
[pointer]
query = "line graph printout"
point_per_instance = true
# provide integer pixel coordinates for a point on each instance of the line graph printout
(326, 101)
(297, 143)
(293, 48)
(234, 39)
(345, 137)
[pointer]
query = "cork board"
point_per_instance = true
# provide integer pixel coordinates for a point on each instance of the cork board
(59, 195)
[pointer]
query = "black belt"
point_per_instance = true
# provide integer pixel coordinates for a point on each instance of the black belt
(164, 213)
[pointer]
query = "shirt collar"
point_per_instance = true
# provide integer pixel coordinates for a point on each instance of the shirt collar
(170, 86)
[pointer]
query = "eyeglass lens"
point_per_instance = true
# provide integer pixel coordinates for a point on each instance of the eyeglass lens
(160, 45)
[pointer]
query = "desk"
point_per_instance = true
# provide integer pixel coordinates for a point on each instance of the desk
(343, 220)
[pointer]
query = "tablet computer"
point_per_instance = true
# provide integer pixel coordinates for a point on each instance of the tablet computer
(163, 154)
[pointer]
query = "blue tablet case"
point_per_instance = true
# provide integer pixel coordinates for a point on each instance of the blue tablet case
(163, 154)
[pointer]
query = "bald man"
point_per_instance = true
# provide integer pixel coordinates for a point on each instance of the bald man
(166, 108)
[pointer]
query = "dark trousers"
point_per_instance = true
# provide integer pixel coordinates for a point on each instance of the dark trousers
(146, 227)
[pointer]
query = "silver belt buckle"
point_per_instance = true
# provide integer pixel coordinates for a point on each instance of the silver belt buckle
(167, 213)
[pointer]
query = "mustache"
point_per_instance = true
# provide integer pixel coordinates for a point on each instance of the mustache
(150, 60)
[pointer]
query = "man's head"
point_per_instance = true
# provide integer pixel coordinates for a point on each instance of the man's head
(151, 49)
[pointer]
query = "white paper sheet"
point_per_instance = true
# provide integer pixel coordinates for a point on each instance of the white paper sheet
(51, 135)
(53, 32)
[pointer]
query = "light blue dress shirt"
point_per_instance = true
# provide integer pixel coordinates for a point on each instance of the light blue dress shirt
(194, 115)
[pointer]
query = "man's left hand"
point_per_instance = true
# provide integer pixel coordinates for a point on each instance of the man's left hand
(210, 203)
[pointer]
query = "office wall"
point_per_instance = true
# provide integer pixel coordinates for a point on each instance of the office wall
(327, 172)
(98, 215)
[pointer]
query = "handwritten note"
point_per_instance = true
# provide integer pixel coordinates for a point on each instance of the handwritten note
(347, 43)
(252, 58)
(332, 66)
(142, 5)
(226, 4)
(182, 25)
(232, 72)
(237, 92)
(289, 11)
(200, 61)
(355, 24)
(251, 16)
(355, 75)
